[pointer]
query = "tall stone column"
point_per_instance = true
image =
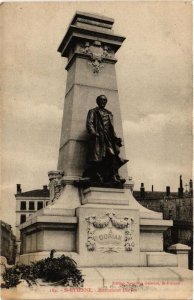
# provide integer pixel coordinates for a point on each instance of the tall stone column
(90, 46)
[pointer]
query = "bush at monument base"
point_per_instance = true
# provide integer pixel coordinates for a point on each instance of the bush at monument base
(59, 271)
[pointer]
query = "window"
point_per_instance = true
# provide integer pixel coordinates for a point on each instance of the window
(31, 205)
(23, 205)
(22, 219)
(40, 205)
(177, 212)
(170, 215)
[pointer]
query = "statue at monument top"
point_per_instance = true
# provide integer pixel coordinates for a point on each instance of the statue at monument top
(103, 145)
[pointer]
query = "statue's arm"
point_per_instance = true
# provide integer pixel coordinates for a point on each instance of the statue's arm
(90, 125)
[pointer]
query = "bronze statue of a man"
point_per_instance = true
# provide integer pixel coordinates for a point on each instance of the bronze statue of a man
(103, 145)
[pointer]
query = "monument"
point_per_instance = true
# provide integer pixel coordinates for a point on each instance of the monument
(93, 216)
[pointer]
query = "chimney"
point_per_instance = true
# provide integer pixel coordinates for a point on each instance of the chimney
(142, 191)
(18, 188)
(45, 188)
(168, 191)
(180, 189)
(181, 182)
(152, 188)
(191, 187)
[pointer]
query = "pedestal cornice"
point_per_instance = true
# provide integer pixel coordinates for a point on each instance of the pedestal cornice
(94, 19)
(154, 225)
(75, 34)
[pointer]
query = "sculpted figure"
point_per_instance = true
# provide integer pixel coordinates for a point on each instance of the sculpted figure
(56, 184)
(103, 145)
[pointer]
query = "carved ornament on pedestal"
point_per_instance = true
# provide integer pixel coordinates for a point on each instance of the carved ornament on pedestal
(97, 53)
(56, 184)
(110, 233)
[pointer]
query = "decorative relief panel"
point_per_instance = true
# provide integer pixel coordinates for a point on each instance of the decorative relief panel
(110, 233)
(97, 52)
(56, 184)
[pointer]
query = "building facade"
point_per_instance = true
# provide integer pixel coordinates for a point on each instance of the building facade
(8, 243)
(27, 203)
(174, 206)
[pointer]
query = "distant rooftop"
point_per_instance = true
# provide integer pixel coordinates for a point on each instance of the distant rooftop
(153, 195)
(5, 225)
(35, 193)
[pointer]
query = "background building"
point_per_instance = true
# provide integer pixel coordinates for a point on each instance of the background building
(175, 206)
(8, 243)
(28, 203)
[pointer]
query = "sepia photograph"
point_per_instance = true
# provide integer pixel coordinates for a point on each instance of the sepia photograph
(96, 150)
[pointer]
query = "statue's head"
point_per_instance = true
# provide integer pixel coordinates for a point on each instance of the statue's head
(101, 101)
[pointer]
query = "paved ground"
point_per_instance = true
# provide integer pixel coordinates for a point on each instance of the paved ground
(115, 283)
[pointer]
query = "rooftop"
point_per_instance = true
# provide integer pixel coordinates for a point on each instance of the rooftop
(34, 193)
(154, 195)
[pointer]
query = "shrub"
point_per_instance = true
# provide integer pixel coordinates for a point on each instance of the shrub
(62, 270)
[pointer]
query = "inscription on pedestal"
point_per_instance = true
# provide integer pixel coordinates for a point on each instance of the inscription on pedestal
(110, 233)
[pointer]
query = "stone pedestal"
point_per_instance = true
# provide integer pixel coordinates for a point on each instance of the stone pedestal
(182, 252)
(98, 227)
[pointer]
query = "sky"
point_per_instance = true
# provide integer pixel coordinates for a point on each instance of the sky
(154, 74)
